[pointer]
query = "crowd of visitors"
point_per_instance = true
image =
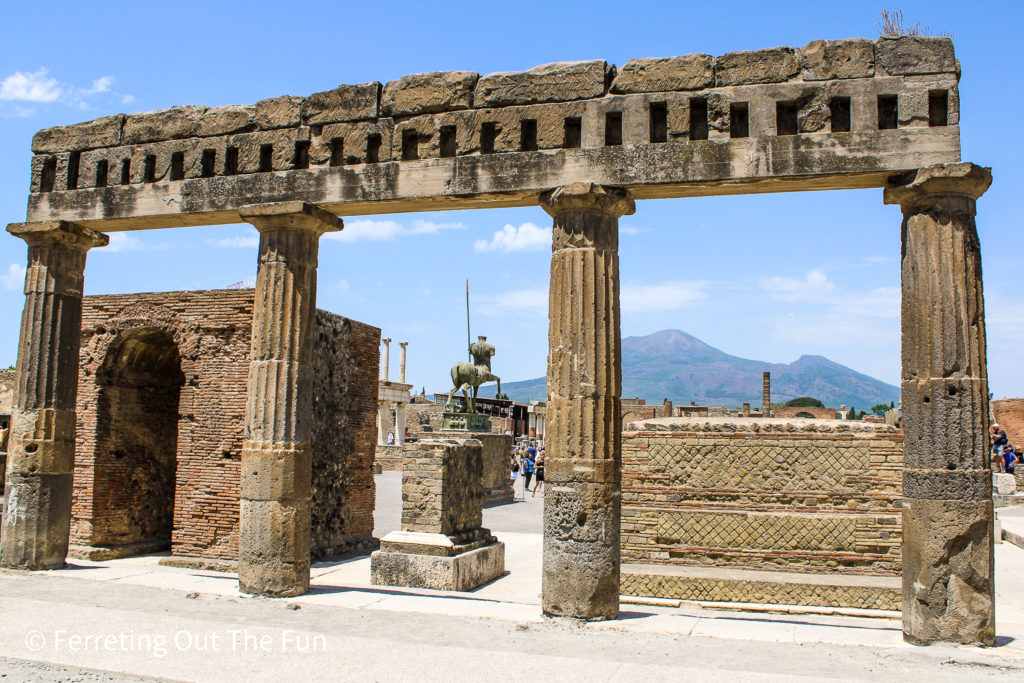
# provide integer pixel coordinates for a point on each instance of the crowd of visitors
(1004, 456)
(528, 463)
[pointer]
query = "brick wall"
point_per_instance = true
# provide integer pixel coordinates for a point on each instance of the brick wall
(205, 337)
(820, 502)
(1009, 414)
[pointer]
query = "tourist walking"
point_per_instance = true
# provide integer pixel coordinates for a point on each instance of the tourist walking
(514, 473)
(528, 468)
(539, 471)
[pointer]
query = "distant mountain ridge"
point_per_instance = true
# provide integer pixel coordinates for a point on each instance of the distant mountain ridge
(675, 365)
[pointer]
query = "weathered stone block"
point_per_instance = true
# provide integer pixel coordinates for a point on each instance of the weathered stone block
(461, 572)
(948, 589)
(166, 124)
(823, 60)
(689, 72)
(275, 473)
(226, 120)
(428, 93)
(1003, 484)
(102, 132)
(773, 65)
(557, 82)
(278, 112)
(915, 55)
(344, 103)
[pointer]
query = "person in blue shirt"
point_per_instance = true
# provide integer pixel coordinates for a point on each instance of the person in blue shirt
(528, 466)
(1010, 459)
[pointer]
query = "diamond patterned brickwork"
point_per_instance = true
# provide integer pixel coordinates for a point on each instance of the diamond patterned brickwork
(765, 592)
(822, 502)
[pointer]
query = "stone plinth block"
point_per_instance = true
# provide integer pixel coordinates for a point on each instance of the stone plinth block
(1003, 484)
(496, 456)
(442, 487)
(420, 560)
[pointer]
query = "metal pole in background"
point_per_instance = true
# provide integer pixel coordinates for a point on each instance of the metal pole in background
(469, 355)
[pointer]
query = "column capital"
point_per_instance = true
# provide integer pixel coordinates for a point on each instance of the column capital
(296, 215)
(403, 344)
(927, 187)
(55, 233)
(588, 197)
(385, 340)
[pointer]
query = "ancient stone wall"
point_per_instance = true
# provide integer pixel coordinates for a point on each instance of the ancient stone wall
(442, 487)
(803, 411)
(8, 380)
(345, 362)
(867, 91)
(771, 495)
(205, 336)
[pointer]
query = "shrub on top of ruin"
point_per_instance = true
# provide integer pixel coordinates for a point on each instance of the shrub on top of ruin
(804, 402)
(892, 26)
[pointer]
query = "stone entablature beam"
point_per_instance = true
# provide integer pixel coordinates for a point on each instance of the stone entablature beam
(780, 119)
(274, 525)
(41, 447)
(583, 458)
(948, 571)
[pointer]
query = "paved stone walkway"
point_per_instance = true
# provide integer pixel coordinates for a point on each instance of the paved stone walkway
(346, 628)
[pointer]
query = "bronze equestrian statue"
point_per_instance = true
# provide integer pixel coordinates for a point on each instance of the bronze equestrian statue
(466, 374)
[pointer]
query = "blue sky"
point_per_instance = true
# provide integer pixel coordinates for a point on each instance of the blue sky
(769, 277)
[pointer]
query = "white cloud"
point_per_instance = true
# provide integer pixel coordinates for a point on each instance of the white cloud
(662, 296)
(814, 286)
(239, 241)
(127, 99)
(15, 277)
(420, 227)
(632, 230)
(33, 86)
(123, 241)
(366, 229)
(101, 84)
(527, 237)
(528, 301)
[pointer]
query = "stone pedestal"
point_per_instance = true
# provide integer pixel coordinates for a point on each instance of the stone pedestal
(442, 544)
(497, 462)
(274, 524)
(41, 448)
(583, 444)
(948, 590)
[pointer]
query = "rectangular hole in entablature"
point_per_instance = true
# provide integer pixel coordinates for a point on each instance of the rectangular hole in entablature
(659, 122)
(49, 175)
(102, 170)
(488, 135)
(177, 165)
(301, 157)
(739, 120)
(126, 171)
(373, 143)
(266, 158)
(149, 168)
(698, 118)
(447, 143)
(528, 135)
(337, 151)
(573, 133)
(888, 112)
(938, 108)
(410, 144)
(207, 162)
(74, 159)
(840, 114)
(613, 128)
(231, 161)
(786, 115)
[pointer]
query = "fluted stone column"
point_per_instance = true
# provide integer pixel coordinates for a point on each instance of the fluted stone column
(382, 423)
(274, 527)
(401, 362)
(41, 448)
(948, 590)
(386, 360)
(584, 377)
(399, 424)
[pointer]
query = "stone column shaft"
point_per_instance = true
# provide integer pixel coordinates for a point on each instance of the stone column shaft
(386, 359)
(41, 448)
(948, 589)
(583, 454)
(401, 362)
(274, 526)
(382, 423)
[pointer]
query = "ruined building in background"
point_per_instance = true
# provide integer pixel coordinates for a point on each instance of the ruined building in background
(161, 411)
(585, 141)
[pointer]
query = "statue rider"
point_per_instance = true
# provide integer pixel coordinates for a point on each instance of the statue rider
(482, 352)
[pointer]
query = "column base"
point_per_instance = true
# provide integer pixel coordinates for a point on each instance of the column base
(422, 560)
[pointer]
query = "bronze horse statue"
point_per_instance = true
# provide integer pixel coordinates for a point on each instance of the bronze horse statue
(466, 374)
